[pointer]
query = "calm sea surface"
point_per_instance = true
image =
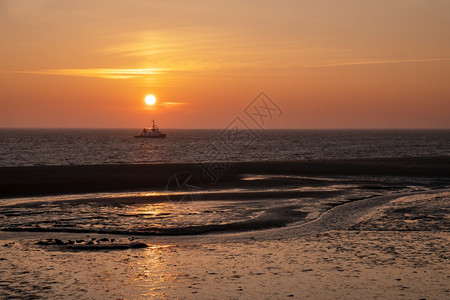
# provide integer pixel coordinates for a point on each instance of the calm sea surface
(30, 147)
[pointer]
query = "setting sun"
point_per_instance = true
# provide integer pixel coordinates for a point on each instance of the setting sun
(150, 99)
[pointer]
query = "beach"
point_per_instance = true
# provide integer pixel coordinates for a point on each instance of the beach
(372, 228)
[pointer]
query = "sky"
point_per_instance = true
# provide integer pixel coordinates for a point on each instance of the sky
(322, 63)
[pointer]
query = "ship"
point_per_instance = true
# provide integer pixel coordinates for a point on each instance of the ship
(151, 132)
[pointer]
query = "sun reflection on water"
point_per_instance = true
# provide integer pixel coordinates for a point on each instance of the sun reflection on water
(151, 209)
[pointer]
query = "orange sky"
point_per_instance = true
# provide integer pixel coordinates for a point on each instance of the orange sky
(326, 64)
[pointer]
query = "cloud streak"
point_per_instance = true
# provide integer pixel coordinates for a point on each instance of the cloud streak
(101, 73)
(375, 62)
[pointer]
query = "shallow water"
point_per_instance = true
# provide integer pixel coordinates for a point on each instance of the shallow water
(279, 201)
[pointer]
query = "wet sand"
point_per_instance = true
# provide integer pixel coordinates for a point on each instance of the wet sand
(336, 264)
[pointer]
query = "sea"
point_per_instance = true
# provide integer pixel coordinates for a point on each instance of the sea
(255, 203)
(37, 147)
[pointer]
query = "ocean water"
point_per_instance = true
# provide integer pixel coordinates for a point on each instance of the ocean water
(31, 147)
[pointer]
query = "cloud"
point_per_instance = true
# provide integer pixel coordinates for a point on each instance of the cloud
(172, 103)
(101, 73)
(164, 106)
(200, 49)
(374, 62)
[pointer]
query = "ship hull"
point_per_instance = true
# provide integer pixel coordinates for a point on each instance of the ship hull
(162, 135)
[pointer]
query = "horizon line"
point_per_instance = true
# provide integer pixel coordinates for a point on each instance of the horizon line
(259, 129)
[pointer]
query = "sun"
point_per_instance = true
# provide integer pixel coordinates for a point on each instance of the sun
(150, 99)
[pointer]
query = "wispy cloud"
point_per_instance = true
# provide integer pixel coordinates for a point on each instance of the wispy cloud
(147, 74)
(101, 73)
(164, 106)
(391, 61)
(172, 103)
(202, 50)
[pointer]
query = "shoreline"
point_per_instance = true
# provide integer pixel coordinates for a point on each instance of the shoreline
(75, 179)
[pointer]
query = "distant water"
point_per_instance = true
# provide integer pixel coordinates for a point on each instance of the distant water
(30, 147)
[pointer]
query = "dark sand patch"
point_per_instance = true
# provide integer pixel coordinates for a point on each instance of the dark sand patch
(91, 244)
(48, 180)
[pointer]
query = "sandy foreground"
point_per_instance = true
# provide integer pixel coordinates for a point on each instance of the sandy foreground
(398, 248)
(337, 264)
